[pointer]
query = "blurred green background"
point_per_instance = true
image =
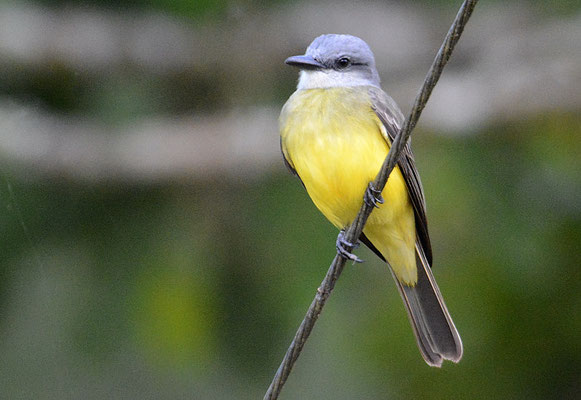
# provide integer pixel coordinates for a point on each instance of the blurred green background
(154, 246)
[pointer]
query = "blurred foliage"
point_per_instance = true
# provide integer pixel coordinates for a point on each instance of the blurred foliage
(197, 283)
(218, 8)
(190, 8)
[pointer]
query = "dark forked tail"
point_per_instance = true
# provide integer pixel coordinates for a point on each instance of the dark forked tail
(435, 332)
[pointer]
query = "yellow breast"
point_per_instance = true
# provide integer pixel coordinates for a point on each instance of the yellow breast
(333, 139)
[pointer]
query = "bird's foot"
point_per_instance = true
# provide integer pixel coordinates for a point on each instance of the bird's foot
(372, 196)
(344, 248)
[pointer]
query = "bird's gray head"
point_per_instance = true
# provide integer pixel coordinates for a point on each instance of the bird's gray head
(336, 61)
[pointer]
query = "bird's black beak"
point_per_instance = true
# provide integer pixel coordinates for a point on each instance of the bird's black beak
(304, 62)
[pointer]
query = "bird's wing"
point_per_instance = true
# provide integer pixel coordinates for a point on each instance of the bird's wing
(392, 119)
(288, 163)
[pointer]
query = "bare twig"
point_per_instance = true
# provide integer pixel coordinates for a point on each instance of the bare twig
(355, 229)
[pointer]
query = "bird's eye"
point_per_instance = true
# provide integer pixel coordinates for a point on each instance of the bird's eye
(343, 62)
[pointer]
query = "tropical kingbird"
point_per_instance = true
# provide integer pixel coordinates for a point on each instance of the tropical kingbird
(336, 130)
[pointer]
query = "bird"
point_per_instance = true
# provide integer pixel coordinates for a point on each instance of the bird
(335, 132)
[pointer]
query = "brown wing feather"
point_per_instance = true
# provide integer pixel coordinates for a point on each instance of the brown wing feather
(392, 118)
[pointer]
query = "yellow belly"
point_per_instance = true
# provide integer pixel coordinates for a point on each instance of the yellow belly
(332, 138)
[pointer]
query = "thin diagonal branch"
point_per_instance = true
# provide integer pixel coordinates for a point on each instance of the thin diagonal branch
(356, 228)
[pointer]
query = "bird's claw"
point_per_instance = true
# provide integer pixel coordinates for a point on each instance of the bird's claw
(372, 196)
(342, 246)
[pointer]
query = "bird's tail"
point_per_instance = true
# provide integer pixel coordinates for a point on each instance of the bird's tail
(435, 332)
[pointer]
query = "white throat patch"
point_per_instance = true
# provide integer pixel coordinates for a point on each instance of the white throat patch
(330, 78)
